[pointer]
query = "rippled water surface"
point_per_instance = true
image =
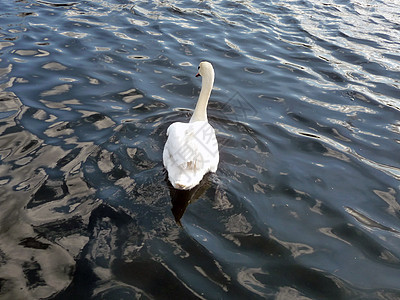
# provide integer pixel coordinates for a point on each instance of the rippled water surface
(305, 202)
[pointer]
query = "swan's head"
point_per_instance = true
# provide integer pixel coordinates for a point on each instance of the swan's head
(205, 68)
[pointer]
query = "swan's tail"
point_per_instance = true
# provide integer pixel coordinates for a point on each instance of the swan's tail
(185, 180)
(181, 186)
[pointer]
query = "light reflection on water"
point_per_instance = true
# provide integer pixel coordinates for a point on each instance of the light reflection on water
(305, 201)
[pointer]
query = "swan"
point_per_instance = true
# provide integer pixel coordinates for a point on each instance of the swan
(191, 149)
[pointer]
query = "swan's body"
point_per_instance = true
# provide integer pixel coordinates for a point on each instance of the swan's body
(191, 149)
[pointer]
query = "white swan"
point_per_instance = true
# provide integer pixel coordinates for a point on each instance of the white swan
(191, 149)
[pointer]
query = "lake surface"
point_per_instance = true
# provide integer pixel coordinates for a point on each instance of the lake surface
(306, 106)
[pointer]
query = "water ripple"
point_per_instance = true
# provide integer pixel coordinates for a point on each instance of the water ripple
(305, 202)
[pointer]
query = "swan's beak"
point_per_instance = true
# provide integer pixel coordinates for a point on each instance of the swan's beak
(198, 74)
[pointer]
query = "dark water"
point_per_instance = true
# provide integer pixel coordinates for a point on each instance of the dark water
(305, 203)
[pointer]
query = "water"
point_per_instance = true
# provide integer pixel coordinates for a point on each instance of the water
(305, 203)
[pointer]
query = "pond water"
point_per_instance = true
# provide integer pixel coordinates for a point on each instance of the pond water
(305, 202)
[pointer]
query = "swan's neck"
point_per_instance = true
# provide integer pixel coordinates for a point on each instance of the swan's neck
(200, 112)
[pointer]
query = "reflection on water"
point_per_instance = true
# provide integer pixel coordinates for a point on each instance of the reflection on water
(305, 203)
(180, 199)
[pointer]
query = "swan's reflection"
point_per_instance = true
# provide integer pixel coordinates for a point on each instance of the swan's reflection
(180, 199)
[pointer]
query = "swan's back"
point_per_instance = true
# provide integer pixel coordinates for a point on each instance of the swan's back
(190, 152)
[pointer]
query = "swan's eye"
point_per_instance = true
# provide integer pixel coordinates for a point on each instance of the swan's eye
(198, 68)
